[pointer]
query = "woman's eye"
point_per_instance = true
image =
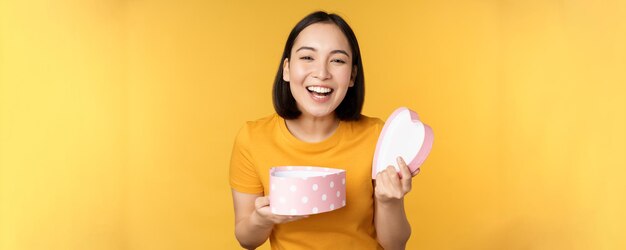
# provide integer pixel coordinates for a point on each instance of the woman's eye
(339, 61)
(308, 58)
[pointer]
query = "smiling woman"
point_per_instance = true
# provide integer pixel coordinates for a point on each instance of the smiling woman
(318, 96)
(322, 46)
(117, 119)
(320, 71)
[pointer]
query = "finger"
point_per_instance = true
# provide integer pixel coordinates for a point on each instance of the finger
(394, 178)
(380, 182)
(262, 202)
(299, 217)
(386, 184)
(388, 170)
(290, 218)
(406, 175)
(404, 169)
(417, 171)
(391, 170)
(393, 185)
(406, 185)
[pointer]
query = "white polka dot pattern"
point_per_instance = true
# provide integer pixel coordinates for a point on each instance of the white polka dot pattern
(316, 192)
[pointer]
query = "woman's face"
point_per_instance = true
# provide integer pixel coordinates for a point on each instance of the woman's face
(320, 70)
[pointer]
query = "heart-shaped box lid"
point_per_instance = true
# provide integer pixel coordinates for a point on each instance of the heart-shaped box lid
(403, 135)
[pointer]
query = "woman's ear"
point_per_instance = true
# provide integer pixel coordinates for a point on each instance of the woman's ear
(353, 75)
(286, 70)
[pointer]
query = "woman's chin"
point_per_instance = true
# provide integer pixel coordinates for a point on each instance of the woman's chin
(320, 113)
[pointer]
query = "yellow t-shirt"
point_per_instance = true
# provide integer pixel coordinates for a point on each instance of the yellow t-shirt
(266, 143)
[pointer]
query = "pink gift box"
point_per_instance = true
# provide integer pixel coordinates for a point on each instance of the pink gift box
(304, 190)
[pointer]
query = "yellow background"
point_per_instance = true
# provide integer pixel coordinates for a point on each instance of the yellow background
(117, 117)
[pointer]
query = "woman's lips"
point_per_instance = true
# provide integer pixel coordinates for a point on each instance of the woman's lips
(319, 98)
(319, 94)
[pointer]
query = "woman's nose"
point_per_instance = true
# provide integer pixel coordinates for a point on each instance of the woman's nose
(321, 71)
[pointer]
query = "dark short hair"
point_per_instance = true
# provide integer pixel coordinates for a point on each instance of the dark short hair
(352, 104)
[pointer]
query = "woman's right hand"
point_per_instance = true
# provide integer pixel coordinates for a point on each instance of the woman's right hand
(265, 216)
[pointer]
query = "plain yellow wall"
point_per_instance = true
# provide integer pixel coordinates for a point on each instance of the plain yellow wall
(117, 117)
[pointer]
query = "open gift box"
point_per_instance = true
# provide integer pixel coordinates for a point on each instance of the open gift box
(304, 190)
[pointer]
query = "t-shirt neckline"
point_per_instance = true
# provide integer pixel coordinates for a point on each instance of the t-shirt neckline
(327, 143)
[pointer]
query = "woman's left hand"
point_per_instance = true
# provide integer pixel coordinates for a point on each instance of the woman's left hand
(393, 186)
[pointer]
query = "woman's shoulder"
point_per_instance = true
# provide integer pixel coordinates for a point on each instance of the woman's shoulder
(261, 124)
(263, 121)
(366, 123)
(371, 120)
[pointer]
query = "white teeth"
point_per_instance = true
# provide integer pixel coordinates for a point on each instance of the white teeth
(320, 90)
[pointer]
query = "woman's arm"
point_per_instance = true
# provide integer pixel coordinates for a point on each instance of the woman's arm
(253, 220)
(249, 230)
(392, 227)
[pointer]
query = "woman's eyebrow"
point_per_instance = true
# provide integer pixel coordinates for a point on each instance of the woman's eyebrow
(307, 48)
(340, 51)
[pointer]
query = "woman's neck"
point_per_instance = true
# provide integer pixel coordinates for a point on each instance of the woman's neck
(312, 129)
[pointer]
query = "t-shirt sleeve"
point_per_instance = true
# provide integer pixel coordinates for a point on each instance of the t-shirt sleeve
(243, 173)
